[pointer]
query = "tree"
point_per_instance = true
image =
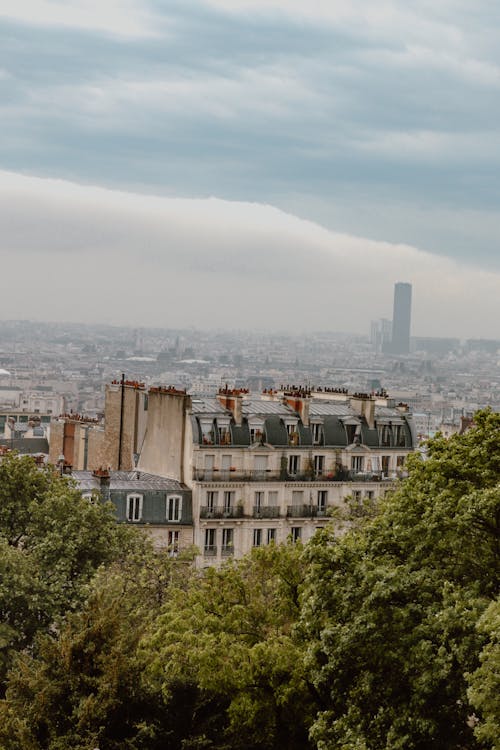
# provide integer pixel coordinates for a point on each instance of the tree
(391, 608)
(228, 643)
(484, 691)
(82, 686)
(52, 541)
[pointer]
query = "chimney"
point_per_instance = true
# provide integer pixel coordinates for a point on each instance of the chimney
(232, 399)
(364, 406)
(299, 401)
(104, 477)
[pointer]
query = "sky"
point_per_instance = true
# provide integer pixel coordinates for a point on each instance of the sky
(250, 163)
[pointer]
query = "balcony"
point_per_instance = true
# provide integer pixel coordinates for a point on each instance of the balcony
(210, 550)
(306, 511)
(227, 550)
(266, 511)
(221, 511)
(364, 476)
(237, 475)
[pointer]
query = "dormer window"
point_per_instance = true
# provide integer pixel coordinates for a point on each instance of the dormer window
(207, 431)
(256, 427)
(385, 435)
(292, 432)
(134, 508)
(352, 431)
(223, 430)
(174, 508)
(317, 433)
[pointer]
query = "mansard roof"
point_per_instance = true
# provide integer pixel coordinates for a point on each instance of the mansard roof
(127, 480)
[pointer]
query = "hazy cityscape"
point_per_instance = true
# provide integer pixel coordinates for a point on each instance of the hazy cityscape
(249, 375)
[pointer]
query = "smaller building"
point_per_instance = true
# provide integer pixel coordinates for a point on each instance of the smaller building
(161, 506)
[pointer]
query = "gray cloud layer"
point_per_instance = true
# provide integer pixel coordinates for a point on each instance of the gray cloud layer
(372, 119)
(89, 254)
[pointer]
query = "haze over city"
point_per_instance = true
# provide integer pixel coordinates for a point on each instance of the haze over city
(250, 164)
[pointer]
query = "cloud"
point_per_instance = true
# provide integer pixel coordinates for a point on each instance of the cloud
(376, 118)
(89, 254)
(116, 17)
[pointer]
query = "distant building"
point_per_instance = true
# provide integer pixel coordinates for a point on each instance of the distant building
(401, 319)
(434, 345)
(381, 334)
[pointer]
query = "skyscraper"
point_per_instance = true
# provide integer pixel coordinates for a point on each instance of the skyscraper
(401, 318)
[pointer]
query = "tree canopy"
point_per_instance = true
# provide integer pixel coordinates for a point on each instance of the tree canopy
(380, 635)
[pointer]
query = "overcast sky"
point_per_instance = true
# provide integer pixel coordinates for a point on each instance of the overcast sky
(240, 163)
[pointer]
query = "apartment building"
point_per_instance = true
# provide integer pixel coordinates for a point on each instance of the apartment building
(272, 467)
(258, 468)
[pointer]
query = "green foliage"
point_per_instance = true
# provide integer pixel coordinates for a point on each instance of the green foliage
(383, 638)
(82, 686)
(228, 640)
(484, 691)
(52, 541)
(391, 609)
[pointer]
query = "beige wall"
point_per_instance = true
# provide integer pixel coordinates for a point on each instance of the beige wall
(164, 441)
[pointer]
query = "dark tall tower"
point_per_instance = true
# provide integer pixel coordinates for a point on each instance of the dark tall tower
(401, 319)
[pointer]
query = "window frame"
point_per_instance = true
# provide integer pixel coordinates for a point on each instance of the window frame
(131, 498)
(173, 503)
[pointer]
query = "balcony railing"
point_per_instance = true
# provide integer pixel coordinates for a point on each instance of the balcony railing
(306, 511)
(221, 511)
(364, 476)
(227, 550)
(236, 475)
(210, 550)
(266, 511)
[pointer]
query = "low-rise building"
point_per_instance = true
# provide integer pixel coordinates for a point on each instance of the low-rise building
(159, 505)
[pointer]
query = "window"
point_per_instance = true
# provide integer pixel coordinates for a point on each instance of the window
(317, 433)
(260, 465)
(256, 433)
(296, 533)
(227, 541)
(293, 435)
(297, 497)
(257, 537)
(399, 435)
(224, 433)
(174, 508)
(319, 465)
(228, 501)
(134, 508)
(272, 499)
(357, 463)
(258, 500)
(356, 495)
(210, 547)
(385, 464)
(173, 543)
(207, 431)
(226, 462)
(322, 499)
(400, 461)
(209, 460)
(385, 435)
(369, 494)
(271, 535)
(212, 500)
(293, 465)
(351, 433)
